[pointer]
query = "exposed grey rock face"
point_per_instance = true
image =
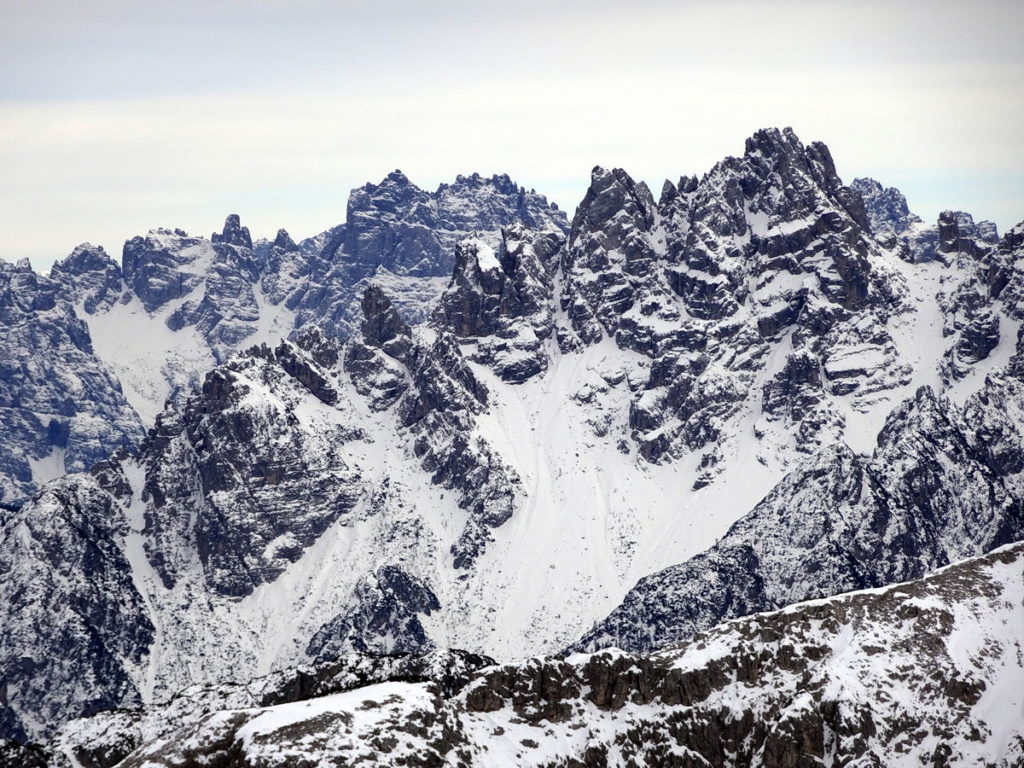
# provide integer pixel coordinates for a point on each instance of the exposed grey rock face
(61, 409)
(88, 275)
(75, 628)
(973, 297)
(943, 484)
(226, 314)
(164, 265)
(225, 494)
(502, 301)
(196, 301)
(581, 411)
(959, 234)
(238, 478)
(15, 755)
(610, 256)
(765, 252)
(886, 207)
(897, 228)
(386, 607)
(439, 411)
(396, 231)
(918, 673)
(378, 360)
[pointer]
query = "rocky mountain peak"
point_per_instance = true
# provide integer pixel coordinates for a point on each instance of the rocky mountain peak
(395, 194)
(773, 142)
(160, 266)
(773, 151)
(85, 257)
(612, 192)
(88, 274)
(611, 240)
(486, 480)
(1014, 237)
(500, 302)
(395, 178)
(233, 233)
(61, 409)
(382, 326)
(501, 182)
(284, 241)
(886, 207)
(760, 245)
(959, 234)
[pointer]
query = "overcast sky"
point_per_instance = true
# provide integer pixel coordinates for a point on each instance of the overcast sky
(116, 117)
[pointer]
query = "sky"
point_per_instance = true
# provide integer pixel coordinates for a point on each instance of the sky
(117, 117)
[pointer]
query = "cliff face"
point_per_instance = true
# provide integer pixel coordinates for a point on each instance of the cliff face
(93, 351)
(61, 408)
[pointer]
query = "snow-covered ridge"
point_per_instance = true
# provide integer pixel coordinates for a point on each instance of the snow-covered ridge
(148, 328)
(576, 418)
(920, 672)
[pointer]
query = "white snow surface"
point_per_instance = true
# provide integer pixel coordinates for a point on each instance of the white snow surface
(150, 359)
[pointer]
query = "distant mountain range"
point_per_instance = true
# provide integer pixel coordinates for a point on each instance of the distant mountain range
(461, 421)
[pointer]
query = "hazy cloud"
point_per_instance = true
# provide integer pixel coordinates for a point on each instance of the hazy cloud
(116, 117)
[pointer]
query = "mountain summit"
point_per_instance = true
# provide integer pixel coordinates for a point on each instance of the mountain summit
(459, 420)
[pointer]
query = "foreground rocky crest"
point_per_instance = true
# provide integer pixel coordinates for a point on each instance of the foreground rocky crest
(922, 672)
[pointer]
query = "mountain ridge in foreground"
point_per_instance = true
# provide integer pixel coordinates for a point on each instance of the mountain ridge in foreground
(460, 421)
(923, 672)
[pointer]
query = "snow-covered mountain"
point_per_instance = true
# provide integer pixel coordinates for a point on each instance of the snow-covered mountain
(61, 409)
(93, 334)
(924, 673)
(761, 388)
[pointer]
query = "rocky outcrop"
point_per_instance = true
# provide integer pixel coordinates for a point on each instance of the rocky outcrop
(105, 740)
(61, 409)
(501, 302)
(75, 630)
(230, 491)
(383, 618)
(379, 358)
(913, 674)
(196, 301)
(227, 312)
(239, 479)
(439, 410)
(610, 257)
(886, 208)
(90, 277)
(575, 416)
(400, 235)
(164, 265)
(766, 255)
